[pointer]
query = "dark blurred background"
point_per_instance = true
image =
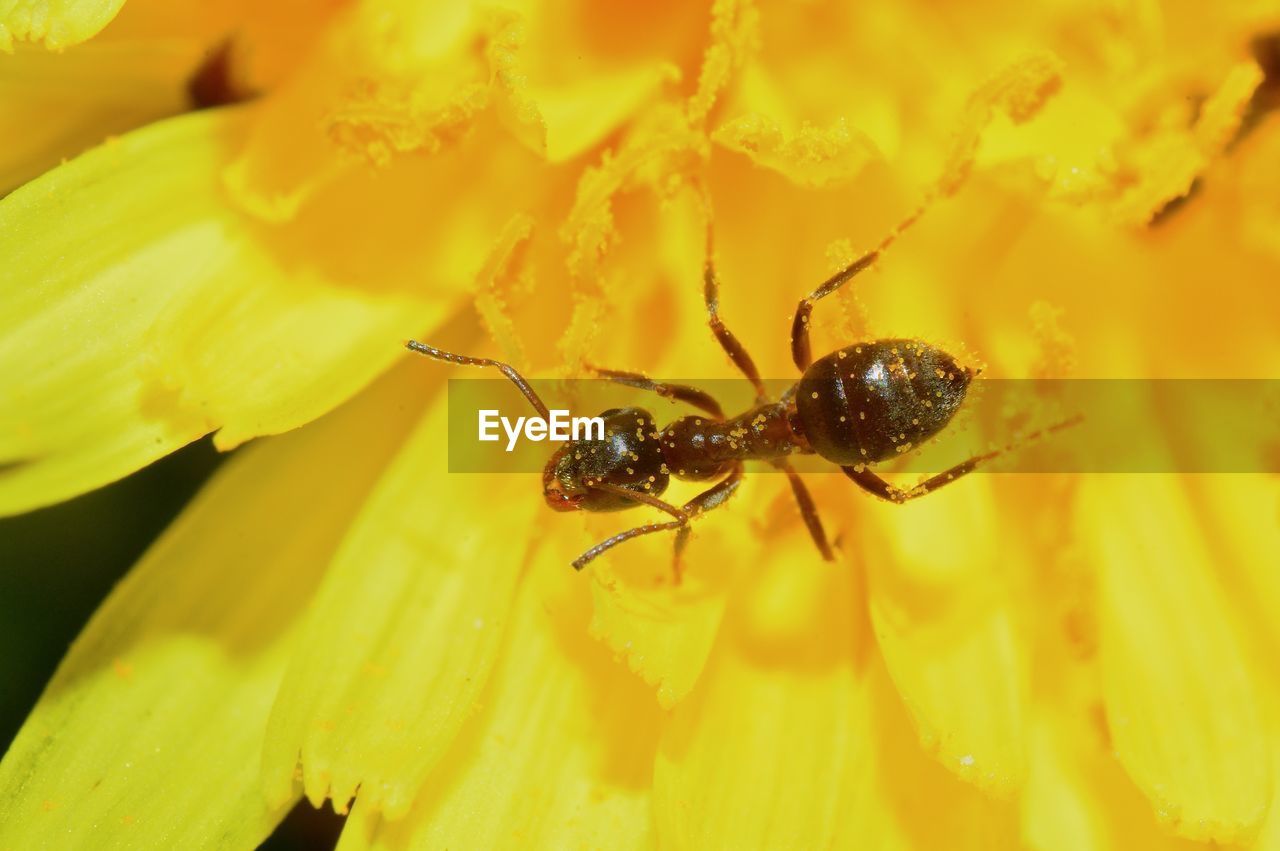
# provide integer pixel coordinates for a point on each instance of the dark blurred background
(57, 565)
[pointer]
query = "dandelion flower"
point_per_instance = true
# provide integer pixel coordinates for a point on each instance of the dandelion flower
(1055, 662)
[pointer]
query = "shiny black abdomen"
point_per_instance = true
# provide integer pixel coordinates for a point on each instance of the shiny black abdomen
(875, 400)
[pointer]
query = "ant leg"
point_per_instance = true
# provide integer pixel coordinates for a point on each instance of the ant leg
(873, 484)
(699, 399)
(801, 351)
(808, 510)
(713, 497)
(716, 495)
(463, 360)
(677, 560)
(582, 560)
(732, 346)
(711, 297)
(642, 498)
(864, 478)
(681, 519)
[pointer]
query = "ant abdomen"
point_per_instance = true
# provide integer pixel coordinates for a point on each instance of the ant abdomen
(872, 401)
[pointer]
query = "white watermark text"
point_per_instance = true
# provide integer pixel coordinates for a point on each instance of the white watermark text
(560, 426)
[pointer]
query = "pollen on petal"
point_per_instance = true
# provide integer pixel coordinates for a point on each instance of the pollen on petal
(506, 274)
(56, 24)
(810, 157)
(734, 36)
(1160, 166)
(1019, 91)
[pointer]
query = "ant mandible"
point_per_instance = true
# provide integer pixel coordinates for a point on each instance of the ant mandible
(858, 405)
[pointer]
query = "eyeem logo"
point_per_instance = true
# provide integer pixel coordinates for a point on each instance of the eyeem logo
(560, 427)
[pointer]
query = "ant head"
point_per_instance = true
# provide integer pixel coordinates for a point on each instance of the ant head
(587, 475)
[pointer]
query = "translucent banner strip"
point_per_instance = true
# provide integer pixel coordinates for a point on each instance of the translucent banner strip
(1042, 426)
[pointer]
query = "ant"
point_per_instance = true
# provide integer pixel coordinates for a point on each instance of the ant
(855, 406)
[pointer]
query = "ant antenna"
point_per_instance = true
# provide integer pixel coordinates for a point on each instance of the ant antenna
(516, 378)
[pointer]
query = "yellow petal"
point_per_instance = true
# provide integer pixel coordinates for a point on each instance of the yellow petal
(944, 622)
(560, 752)
(56, 24)
(57, 105)
(141, 313)
(752, 759)
(794, 737)
(1059, 812)
(1238, 515)
(902, 799)
(404, 631)
(150, 734)
(666, 633)
(99, 89)
(1269, 834)
(1077, 795)
(147, 181)
(1180, 698)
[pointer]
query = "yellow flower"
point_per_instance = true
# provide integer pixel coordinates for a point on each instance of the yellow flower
(1059, 662)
